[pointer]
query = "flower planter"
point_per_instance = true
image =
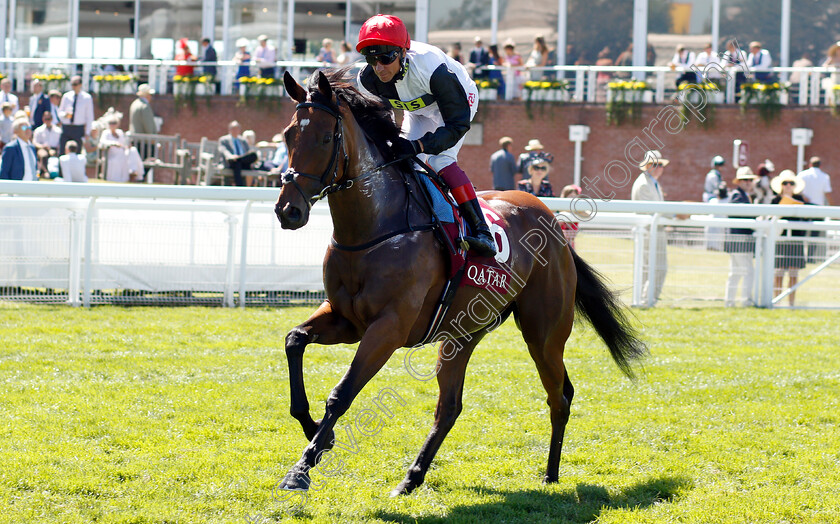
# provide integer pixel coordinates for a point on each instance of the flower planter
(488, 94)
(113, 88)
(630, 95)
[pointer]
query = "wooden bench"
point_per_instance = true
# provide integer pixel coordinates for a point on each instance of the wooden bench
(162, 152)
(211, 170)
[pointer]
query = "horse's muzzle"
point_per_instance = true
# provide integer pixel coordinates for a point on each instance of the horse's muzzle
(290, 216)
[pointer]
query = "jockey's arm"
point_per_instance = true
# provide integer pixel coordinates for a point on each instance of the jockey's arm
(454, 108)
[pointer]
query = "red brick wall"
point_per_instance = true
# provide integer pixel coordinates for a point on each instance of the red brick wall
(689, 150)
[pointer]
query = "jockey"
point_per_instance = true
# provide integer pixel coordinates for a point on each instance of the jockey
(438, 99)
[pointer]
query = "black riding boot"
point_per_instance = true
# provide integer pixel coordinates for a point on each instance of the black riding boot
(482, 242)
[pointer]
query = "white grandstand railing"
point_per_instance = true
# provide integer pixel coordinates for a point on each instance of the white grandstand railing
(812, 88)
(81, 237)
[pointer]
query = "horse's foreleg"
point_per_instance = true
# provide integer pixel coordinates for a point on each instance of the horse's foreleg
(380, 341)
(453, 357)
(325, 326)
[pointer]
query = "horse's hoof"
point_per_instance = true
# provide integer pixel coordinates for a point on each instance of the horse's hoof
(550, 480)
(402, 489)
(295, 481)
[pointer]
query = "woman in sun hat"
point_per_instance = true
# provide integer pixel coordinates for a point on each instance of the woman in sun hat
(537, 182)
(243, 58)
(790, 254)
(740, 243)
(531, 150)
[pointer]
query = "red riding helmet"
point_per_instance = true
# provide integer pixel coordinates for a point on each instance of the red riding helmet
(383, 30)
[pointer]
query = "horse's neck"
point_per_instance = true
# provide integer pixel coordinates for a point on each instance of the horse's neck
(372, 208)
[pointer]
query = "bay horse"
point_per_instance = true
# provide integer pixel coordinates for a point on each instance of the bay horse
(384, 274)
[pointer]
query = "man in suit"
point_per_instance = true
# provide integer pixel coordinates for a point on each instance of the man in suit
(647, 187)
(208, 55)
(236, 153)
(760, 62)
(76, 113)
(479, 57)
(141, 117)
(6, 94)
(20, 160)
(39, 103)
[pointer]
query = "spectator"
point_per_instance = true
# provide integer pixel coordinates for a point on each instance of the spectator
(708, 62)
(760, 62)
(646, 187)
(208, 55)
(496, 75)
(804, 60)
(740, 244)
(265, 56)
(47, 139)
(6, 94)
(326, 53)
(185, 55)
(479, 57)
(603, 77)
(236, 154)
(6, 121)
(715, 187)
(533, 148)
(503, 166)
(570, 229)
(141, 119)
(735, 58)
(832, 59)
(513, 59)
(279, 161)
(625, 59)
(537, 182)
(76, 112)
(455, 52)
(817, 187)
(538, 57)
(55, 101)
(347, 56)
(19, 160)
(242, 58)
(39, 103)
(790, 254)
(762, 193)
(684, 59)
(73, 163)
(91, 146)
(123, 162)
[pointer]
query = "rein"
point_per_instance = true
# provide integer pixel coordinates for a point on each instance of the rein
(290, 176)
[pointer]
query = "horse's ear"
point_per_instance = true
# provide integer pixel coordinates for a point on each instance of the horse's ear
(294, 89)
(324, 85)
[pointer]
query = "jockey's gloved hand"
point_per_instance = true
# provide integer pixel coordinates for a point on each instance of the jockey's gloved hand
(404, 148)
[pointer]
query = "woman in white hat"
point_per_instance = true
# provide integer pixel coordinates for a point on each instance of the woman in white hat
(740, 243)
(790, 254)
(533, 148)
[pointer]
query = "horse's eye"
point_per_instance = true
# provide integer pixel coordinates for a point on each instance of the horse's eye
(327, 138)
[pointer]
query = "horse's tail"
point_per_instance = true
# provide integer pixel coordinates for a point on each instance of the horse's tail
(601, 306)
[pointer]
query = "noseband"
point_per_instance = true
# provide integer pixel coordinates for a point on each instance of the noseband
(290, 176)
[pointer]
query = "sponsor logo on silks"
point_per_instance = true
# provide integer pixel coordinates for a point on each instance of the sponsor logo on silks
(487, 277)
(471, 98)
(412, 105)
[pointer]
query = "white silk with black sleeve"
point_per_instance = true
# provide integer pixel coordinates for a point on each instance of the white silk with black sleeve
(438, 97)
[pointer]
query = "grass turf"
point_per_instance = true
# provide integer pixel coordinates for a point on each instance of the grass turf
(181, 415)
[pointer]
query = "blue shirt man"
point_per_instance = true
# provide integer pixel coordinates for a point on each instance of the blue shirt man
(503, 166)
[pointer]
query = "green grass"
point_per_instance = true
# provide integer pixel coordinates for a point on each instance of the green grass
(181, 415)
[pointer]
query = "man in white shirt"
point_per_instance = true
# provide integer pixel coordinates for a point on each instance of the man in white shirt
(265, 56)
(709, 62)
(817, 188)
(76, 113)
(759, 62)
(73, 164)
(6, 94)
(47, 139)
(19, 161)
(684, 59)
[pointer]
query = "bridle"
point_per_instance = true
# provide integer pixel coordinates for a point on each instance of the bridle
(290, 175)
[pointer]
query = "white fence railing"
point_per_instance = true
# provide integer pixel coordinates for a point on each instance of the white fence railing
(88, 244)
(815, 85)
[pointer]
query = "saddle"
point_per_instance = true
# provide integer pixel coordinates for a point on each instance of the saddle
(450, 229)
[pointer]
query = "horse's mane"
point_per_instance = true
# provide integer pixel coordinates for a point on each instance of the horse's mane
(374, 117)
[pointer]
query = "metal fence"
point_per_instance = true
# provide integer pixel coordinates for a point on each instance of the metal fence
(586, 83)
(89, 244)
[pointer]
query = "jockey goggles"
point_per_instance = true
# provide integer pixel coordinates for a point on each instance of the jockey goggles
(385, 55)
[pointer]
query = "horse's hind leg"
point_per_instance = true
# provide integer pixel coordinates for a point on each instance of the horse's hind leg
(453, 357)
(325, 326)
(546, 336)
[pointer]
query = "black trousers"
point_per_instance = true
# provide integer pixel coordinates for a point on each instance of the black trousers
(74, 132)
(237, 164)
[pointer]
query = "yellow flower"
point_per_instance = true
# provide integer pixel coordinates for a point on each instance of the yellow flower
(177, 78)
(545, 85)
(98, 78)
(203, 79)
